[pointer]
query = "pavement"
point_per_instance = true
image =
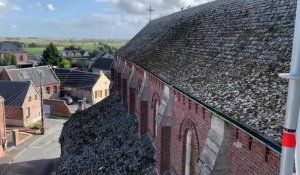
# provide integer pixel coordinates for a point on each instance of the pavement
(36, 156)
(73, 107)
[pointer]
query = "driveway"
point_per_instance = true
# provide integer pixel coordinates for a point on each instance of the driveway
(36, 156)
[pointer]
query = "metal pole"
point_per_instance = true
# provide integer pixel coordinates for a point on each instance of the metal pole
(297, 155)
(293, 104)
(42, 104)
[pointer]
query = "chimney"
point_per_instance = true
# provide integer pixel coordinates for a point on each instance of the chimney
(80, 105)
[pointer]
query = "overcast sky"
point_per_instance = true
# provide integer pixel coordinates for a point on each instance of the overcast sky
(99, 19)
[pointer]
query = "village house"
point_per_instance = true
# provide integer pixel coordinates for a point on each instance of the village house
(81, 84)
(15, 48)
(75, 54)
(50, 83)
(102, 64)
(22, 103)
(7, 67)
(2, 127)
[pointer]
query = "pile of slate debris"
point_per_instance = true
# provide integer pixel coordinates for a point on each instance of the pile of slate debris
(104, 140)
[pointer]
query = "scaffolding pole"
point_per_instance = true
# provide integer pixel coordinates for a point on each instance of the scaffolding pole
(293, 104)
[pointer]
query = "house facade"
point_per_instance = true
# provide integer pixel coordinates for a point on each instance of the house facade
(204, 85)
(11, 47)
(50, 82)
(22, 103)
(2, 127)
(79, 85)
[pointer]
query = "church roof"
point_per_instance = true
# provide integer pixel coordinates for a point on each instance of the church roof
(227, 54)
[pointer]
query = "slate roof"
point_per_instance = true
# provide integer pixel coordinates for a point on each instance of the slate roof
(76, 79)
(227, 54)
(7, 67)
(14, 92)
(103, 139)
(31, 74)
(103, 63)
(10, 47)
(72, 53)
(105, 54)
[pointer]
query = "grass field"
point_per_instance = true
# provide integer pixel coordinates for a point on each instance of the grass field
(39, 50)
(61, 43)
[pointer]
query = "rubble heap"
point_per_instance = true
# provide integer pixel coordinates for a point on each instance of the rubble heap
(104, 140)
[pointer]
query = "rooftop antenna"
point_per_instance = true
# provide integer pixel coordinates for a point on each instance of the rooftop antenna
(150, 11)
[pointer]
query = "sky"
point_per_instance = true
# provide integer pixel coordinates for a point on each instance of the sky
(82, 19)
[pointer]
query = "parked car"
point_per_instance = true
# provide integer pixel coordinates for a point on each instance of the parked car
(68, 100)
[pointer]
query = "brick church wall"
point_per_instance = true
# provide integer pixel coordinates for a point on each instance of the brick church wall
(247, 155)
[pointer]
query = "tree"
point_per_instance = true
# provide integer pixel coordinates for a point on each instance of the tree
(9, 59)
(94, 53)
(13, 59)
(72, 47)
(65, 63)
(80, 64)
(51, 56)
(32, 45)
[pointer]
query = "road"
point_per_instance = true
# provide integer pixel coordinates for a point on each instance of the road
(38, 155)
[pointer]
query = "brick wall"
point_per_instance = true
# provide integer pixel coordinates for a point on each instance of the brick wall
(156, 93)
(58, 107)
(21, 57)
(187, 116)
(247, 155)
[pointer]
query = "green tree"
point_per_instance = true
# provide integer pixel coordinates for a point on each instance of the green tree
(80, 64)
(51, 56)
(65, 63)
(13, 60)
(9, 59)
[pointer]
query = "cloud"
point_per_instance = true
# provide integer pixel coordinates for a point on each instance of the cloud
(50, 7)
(13, 26)
(43, 7)
(6, 7)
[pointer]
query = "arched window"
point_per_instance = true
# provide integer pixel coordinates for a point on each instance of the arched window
(139, 85)
(155, 118)
(21, 57)
(188, 153)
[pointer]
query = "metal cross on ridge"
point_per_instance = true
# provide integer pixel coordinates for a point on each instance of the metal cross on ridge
(150, 11)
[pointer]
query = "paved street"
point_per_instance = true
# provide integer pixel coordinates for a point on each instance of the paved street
(36, 156)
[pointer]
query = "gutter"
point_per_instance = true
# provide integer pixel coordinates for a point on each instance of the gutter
(273, 145)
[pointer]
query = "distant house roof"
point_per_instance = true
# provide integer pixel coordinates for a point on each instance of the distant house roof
(14, 92)
(7, 67)
(105, 54)
(10, 47)
(103, 63)
(72, 53)
(227, 54)
(32, 74)
(76, 79)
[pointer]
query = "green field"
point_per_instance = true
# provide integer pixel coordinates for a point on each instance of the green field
(61, 43)
(39, 50)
